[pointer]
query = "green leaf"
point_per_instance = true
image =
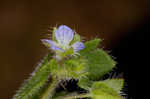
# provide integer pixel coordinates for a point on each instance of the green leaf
(85, 83)
(99, 63)
(116, 84)
(35, 82)
(90, 45)
(108, 89)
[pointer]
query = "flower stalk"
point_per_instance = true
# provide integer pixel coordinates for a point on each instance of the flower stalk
(74, 96)
(50, 91)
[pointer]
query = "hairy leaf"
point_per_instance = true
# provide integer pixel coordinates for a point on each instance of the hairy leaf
(116, 84)
(90, 46)
(108, 89)
(85, 83)
(35, 82)
(99, 63)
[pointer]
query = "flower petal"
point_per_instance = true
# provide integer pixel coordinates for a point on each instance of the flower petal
(49, 42)
(78, 46)
(55, 48)
(64, 35)
(53, 45)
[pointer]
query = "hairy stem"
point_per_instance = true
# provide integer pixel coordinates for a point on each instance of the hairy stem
(51, 89)
(71, 96)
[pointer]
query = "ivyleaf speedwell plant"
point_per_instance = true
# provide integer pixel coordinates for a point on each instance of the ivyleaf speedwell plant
(69, 59)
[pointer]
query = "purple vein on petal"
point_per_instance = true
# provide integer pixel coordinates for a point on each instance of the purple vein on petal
(64, 35)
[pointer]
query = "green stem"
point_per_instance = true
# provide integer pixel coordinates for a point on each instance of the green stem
(50, 90)
(74, 96)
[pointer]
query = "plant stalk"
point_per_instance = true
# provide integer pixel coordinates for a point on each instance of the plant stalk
(51, 89)
(75, 96)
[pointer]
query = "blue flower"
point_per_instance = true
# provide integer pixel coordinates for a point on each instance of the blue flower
(64, 35)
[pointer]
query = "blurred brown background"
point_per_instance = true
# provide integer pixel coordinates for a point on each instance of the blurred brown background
(24, 22)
